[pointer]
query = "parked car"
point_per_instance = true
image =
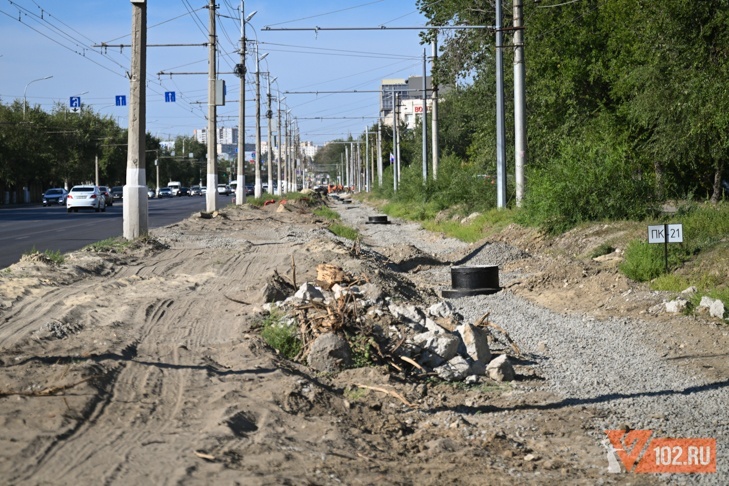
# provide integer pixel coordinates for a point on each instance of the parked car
(108, 198)
(117, 192)
(150, 193)
(85, 197)
(196, 191)
(165, 192)
(56, 195)
(183, 191)
(223, 189)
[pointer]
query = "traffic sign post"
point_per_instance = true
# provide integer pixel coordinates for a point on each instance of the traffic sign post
(665, 233)
(74, 103)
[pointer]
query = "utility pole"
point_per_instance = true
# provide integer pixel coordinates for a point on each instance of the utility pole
(367, 158)
(278, 161)
(500, 136)
(240, 69)
(211, 197)
(258, 190)
(434, 110)
(135, 208)
(394, 141)
(425, 120)
(269, 116)
(379, 153)
(520, 143)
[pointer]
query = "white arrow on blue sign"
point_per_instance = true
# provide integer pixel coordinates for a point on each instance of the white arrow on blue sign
(74, 102)
(121, 100)
(169, 96)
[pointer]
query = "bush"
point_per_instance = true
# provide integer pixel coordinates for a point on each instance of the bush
(593, 178)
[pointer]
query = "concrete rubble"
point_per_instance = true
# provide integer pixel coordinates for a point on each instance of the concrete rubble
(435, 337)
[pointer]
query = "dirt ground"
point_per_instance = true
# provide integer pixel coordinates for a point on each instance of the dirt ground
(146, 367)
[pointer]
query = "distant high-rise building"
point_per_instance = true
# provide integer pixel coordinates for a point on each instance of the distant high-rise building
(226, 135)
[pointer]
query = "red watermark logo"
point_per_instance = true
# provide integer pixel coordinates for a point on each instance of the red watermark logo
(639, 453)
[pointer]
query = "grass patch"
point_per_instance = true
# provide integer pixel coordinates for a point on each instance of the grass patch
(603, 249)
(52, 256)
(704, 230)
(327, 213)
(111, 245)
(281, 334)
(344, 231)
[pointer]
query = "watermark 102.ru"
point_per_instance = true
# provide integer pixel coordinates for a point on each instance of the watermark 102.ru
(639, 453)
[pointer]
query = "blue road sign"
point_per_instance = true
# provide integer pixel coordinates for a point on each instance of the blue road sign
(74, 102)
(121, 100)
(169, 96)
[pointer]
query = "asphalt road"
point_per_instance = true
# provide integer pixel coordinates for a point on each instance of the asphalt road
(23, 228)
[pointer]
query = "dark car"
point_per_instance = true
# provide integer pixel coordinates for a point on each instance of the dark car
(249, 189)
(117, 192)
(183, 191)
(56, 195)
(107, 195)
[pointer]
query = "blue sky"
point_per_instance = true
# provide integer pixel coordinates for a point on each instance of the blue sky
(55, 38)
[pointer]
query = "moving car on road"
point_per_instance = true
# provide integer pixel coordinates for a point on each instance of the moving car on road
(117, 192)
(54, 196)
(150, 193)
(223, 189)
(196, 191)
(165, 192)
(85, 197)
(108, 198)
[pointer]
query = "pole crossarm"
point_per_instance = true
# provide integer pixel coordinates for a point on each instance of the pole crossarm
(163, 73)
(384, 27)
(337, 117)
(353, 91)
(151, 45)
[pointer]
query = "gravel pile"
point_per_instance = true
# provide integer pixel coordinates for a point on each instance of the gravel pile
(609, 364)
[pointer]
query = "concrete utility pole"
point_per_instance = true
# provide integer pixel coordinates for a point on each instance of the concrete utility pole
(258, 189)
(278, 161)
(211, 197)
(379, 152)
(394, 141)
(425, 119)
(240, 190)
(135, 208)
(434, 110)
(269, 116)
(500, 135)
(367, 158)
(520, 142)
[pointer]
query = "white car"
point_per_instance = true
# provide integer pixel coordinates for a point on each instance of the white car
(223, 189)
(85, 197)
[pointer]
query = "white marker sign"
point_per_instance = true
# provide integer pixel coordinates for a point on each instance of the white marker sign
(665, 233)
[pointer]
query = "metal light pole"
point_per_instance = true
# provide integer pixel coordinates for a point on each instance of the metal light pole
(240, 190)
(500, 135)
(25, 99)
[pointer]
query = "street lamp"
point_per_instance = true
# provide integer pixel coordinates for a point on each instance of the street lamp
(25, 99)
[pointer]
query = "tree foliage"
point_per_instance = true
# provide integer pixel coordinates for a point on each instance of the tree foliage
(41, 149)
(627, 101)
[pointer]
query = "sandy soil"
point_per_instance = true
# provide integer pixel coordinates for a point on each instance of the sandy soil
(145, 367)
